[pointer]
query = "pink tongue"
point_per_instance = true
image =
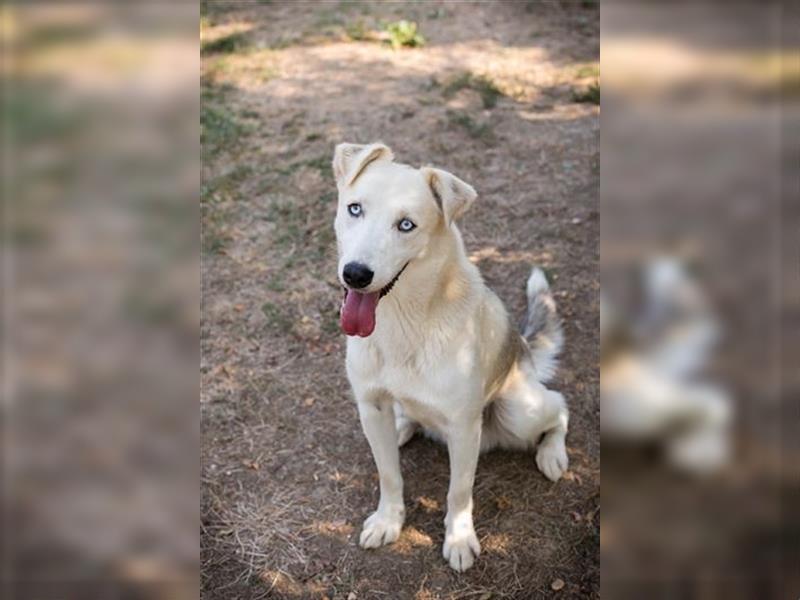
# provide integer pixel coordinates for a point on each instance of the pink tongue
(358, 313)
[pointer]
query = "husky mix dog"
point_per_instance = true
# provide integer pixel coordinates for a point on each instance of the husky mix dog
(430, 346)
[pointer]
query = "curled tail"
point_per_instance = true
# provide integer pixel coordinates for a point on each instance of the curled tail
(542, 326)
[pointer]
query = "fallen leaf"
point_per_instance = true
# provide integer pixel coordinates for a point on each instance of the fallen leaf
(427, 504)
(309, 401)
(557, 585)
(502, 503)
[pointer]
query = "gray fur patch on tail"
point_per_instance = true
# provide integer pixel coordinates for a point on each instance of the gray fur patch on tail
(542, 326)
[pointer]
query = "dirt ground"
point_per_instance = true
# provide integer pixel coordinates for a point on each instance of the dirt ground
(503, 95)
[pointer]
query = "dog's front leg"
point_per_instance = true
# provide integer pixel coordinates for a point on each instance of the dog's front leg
(377, 420)
(461, 545)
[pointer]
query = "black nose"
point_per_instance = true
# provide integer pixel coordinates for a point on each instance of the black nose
(357, 275)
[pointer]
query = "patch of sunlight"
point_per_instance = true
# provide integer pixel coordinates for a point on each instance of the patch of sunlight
(491, 253)
(429, 504)
(282, 583)
(340, 528)
(411, 540)
(496, 543)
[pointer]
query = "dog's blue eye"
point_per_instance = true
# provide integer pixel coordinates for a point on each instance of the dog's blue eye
(405, 225)
(354, 209)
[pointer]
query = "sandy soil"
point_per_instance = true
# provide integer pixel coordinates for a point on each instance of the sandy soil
(493, 96)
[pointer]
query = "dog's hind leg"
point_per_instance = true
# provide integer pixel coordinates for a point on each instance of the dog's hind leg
(551, 455)
(517, 418)
(406, 427)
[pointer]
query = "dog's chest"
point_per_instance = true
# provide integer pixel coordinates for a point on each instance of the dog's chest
(429, 415)
(419, 395)
(431, 387)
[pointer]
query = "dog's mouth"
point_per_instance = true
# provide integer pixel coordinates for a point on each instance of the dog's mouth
(357, 316)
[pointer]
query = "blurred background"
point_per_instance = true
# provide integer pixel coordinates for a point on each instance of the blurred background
(100, 427)
(699, 190)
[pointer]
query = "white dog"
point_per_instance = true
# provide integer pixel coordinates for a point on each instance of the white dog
(430, 345)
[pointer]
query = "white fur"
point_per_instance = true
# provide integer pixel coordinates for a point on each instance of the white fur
(435, 347)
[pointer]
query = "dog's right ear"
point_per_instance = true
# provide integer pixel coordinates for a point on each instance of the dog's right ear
(350, 160)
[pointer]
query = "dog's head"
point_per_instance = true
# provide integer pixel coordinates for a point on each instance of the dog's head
(388, 214)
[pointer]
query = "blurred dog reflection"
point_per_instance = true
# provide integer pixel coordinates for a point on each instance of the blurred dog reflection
(652, 359)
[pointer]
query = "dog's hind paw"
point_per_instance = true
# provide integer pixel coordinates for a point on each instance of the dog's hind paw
(551, 458)
(380, 528)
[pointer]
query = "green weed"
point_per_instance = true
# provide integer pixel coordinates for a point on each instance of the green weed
(276, 284)
(589, 95)
(322, 163)
(475, 130)
(225, 45)
(588, 71)
(357, 31)
(289, 218)
(487, 89)
(275, 315)
(330, 321)
(218, 127)
(404, 33)
(214, 242)
(224, 184)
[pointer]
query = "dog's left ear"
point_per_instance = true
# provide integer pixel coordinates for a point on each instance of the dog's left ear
(452, 195)
(350, 160)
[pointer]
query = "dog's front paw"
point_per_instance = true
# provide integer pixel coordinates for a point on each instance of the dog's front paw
(551, 458)
(461, 548)
(381, 527)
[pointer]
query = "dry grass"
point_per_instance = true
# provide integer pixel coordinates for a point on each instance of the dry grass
(287, 473)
